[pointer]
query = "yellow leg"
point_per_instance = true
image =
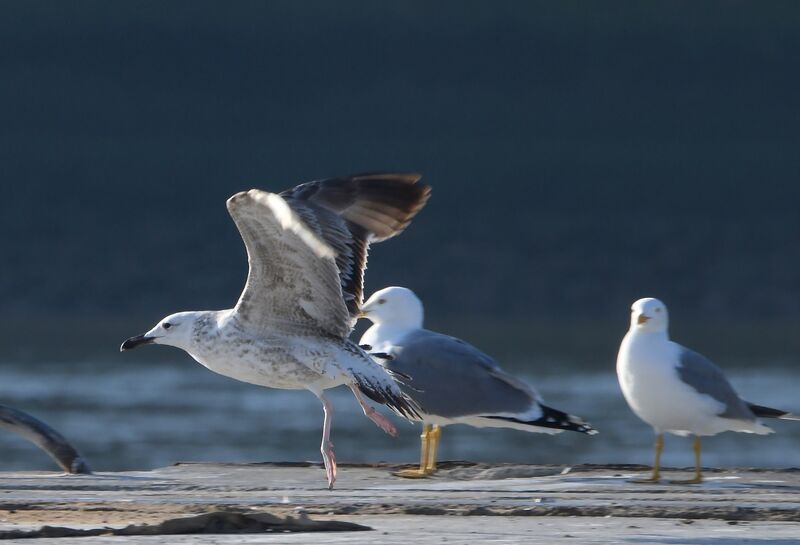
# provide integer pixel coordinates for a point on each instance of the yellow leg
(656, 476)
(436, 434)
(698, 469)
(425, 447)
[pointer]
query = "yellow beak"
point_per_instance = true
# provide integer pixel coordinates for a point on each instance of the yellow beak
(642, 319)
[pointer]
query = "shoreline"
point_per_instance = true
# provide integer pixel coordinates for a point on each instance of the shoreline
(461, 493)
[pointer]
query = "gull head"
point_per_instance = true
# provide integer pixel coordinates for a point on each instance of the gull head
(394, 306)
(649, 314)
(174, 330)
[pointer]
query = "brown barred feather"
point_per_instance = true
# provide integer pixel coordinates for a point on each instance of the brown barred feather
(350, 212)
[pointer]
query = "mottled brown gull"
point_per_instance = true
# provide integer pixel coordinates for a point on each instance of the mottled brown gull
(453, 382)
(307, 251)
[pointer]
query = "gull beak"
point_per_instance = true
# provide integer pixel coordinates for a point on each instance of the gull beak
(133, 342)
(642, 319)
(363, 314)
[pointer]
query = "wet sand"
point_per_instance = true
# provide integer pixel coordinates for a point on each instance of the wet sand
(463, 502)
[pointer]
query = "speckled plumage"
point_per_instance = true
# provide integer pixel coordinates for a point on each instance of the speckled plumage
(307, 251)
(223, 342)
(293, 308)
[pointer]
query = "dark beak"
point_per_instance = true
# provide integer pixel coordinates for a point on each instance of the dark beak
(133, 342)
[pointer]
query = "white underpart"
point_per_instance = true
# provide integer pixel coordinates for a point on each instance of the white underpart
(647, 367)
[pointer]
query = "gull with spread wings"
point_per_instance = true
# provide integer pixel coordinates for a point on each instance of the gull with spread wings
(307, 251)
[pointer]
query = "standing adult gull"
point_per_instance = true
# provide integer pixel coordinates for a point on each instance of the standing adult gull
(307, 251)
(677, 390)
(454, 382)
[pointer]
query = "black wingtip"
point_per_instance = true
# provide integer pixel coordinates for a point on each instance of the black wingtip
(381, 203)
(761, 411)
(400, 404)
(381, 355)
(405, 177)
(555, 419)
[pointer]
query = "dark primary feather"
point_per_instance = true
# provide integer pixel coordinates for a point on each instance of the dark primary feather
(555, 419)
(768, 412)
(402, 405)
(451, 378)
(349, 212)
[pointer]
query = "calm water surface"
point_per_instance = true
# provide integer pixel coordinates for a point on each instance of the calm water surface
(140, 415)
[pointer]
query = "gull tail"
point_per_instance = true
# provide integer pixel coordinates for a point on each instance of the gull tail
(767, 412)
(555, 419)
(399, 402)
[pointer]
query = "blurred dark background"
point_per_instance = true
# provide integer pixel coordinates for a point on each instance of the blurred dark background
(582, 155)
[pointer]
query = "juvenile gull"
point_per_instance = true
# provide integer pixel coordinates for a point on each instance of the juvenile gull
(679, 391)
(453, 381)
(307, 251)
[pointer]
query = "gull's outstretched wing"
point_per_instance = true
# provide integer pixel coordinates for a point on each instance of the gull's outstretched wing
(293, 282)
(349, 212)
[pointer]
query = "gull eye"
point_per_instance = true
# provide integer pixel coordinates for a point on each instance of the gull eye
(381, 301)
(166, 325)
(658, 310)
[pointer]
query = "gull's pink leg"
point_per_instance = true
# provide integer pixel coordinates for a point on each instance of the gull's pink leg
(381, 421)
(327, 447)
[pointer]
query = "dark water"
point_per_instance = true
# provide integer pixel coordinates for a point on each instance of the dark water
(143, 415)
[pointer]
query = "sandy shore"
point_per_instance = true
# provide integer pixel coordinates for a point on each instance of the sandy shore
(463, 502)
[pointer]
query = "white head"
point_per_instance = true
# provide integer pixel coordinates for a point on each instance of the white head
(394, 306)
(174, 330)
(649, 315)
